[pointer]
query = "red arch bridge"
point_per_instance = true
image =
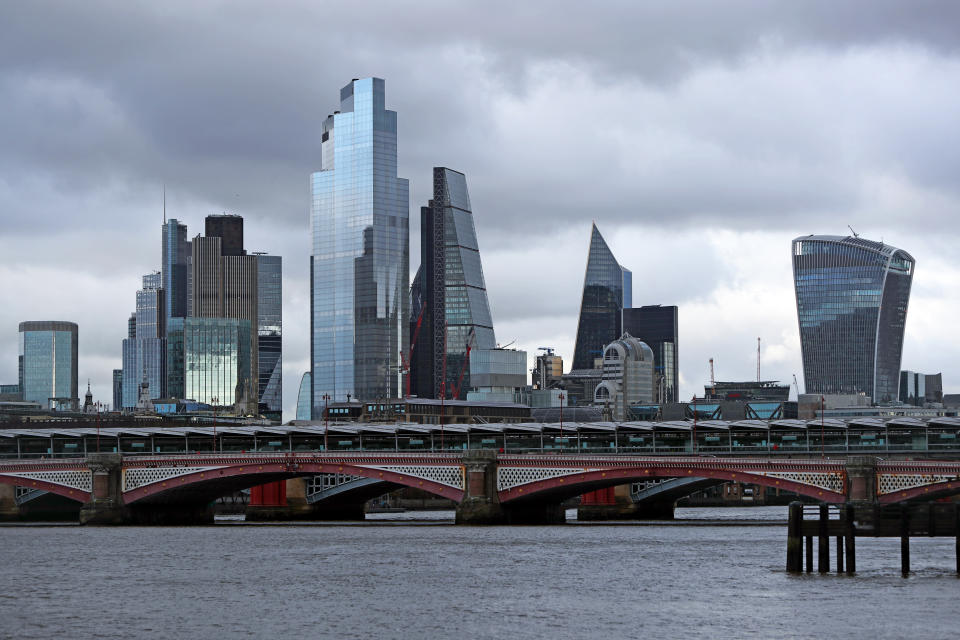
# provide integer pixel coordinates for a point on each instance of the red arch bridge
(488, 487)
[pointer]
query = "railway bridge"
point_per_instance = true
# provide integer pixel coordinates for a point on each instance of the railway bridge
(488, 486)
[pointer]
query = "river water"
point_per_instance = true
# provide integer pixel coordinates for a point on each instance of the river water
(414, 575)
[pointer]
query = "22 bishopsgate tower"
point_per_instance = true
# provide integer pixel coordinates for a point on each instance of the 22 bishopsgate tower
(359, 267)
(852, 297)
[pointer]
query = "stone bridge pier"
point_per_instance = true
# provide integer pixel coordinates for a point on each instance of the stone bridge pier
(107, 507)
(481, 502)
(9, 511)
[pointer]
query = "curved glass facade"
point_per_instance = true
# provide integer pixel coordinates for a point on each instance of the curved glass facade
(607, 290)
(852, 297)
(360, 260)
(303, 398)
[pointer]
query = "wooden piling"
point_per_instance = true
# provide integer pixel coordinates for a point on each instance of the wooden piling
(956, 529)
(794, 539)
(823, 540)
(904, 540)
(850, 531)
(840, 554)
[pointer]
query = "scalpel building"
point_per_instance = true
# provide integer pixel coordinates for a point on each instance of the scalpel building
(852, 297)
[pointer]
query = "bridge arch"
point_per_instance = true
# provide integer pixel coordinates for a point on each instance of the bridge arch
(71, 493)
(207, 483)
(562, 487)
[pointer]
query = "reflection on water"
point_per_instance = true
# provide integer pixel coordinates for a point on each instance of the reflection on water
(395, 578)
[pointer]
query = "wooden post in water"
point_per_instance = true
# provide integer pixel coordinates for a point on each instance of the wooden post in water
(904, 540)
(850, 531)
(794, 539)
(839, 554)
(956, 530)
(823, 540)
(809, 554)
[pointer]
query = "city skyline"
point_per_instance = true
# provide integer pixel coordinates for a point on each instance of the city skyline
(746, 182)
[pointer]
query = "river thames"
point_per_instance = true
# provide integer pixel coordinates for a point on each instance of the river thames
(417, 576)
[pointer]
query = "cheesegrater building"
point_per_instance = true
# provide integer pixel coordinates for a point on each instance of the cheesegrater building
(852, 297)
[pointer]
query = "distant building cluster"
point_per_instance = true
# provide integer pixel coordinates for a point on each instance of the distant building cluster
(206, 329)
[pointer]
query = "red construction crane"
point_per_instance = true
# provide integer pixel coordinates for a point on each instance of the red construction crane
(466, 362)
(405, 360)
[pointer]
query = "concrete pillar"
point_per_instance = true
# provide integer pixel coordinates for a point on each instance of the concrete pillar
(861, 479)
(106, 503)
(480, 504)
(8, 503)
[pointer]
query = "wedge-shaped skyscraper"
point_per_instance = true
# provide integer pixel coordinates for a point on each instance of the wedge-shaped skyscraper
(607, 290)
(448, 296)
(852, 297)
(359, 266)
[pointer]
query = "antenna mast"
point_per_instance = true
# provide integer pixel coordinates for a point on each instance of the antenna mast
(758, 359)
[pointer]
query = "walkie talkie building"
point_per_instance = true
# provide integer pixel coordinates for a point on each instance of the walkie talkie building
(852, 297)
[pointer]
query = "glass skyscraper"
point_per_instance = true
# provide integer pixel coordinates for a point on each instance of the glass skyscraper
(270, 331)
(175, 269)
(607, 290)
(144, 360)
(303, 398)
(48, 363)
(359, 272)
(657, 327)
(448, 296)
(852, 297)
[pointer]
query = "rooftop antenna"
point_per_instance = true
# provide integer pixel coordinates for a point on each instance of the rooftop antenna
(164, 203)
(713, 381)
(758, 356)
(855, 234)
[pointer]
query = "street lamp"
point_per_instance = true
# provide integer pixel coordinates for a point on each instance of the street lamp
(561, 396)
(326, 421)
(215, 400)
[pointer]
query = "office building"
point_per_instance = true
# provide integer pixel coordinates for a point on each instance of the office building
(48, 364)
(360, 258)
(919, 389)
(303, 398)
(852, 296)
(209, 361)
(548, 370)
(224, 280)
(607, 291)
(497, 375)
(628, 377)
(144, 358)
(270, 333)
(176, 269)
(118, 389)
(449, 295)
(656, 326)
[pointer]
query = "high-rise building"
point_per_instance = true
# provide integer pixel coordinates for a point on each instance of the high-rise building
(449, 296)
(303, 398)
(229, 228)
(360, 260)
(607, 291)
(852, 297)
(497, 375)
(656, 326)
(48, 363)
(118, 389)
(919, 388)
(175, 268)
(224, 285)
(144, 358)
(209, 360)
(628, 377)
(270, 332)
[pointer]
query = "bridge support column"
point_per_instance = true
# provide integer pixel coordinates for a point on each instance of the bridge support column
(8, 503)
(861, 479)
(616, 503)
(481, 503)
(106, 502)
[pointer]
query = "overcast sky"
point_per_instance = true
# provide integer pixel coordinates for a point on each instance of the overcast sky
(701, 138)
